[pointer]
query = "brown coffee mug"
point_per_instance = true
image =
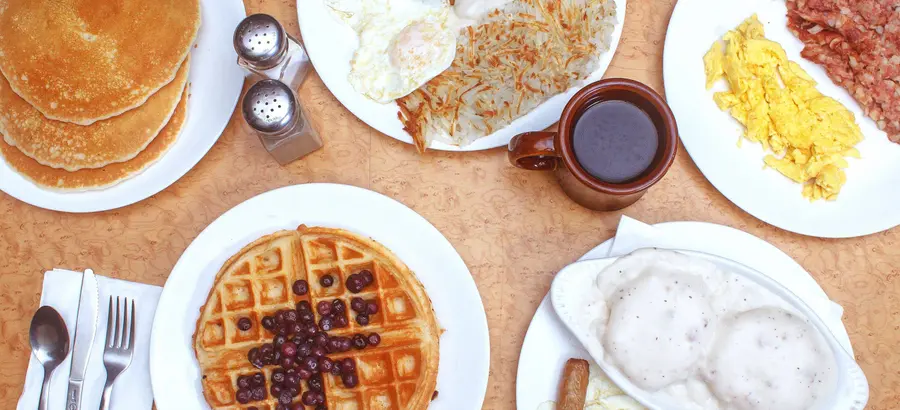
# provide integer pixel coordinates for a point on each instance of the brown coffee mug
(544, 151)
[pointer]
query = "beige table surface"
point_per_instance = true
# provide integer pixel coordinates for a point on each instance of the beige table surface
(513, 228)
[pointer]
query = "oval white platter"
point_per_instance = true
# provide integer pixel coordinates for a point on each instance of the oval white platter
(575, 281)
(548, 343)
(214, 86)
(464, 346)
(330, 44)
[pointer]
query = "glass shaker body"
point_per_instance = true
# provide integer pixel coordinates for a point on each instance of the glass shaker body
(271, 107)
(266, 50)
(282, 125)
(291, 70)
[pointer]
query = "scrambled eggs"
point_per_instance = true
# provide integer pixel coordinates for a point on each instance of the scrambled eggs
(808, 133)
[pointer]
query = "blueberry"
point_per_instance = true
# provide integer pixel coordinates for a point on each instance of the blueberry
(285, 398)
(244, 324)
(358, 304)
(300, 287)
(243, 382)
(372, 308)
(324, 308)
(268, 322)
(279, 340)
(309, 398)
(315, 383)
(307, 317)
(325, 365)
(367, 276)
(278, 376)
(350, 380)
(338, 306)
(348, 365)
(243, 396)
(291, 316)
(359, 341)
(326, 323)
(303, 350)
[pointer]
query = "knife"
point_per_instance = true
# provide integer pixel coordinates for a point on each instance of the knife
(85, 327)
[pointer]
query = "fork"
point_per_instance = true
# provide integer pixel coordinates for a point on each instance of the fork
(119, 346)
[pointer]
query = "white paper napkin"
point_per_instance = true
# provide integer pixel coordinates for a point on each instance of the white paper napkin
(61, 290)
(633, 234)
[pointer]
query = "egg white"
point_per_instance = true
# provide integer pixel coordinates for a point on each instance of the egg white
(402, 45)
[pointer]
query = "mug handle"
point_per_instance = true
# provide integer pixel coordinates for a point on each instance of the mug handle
(534, 151)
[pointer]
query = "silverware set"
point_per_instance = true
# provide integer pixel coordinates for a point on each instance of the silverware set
(50, 342)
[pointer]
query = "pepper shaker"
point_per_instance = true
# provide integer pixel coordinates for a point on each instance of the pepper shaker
(281, 124)
(266, 50)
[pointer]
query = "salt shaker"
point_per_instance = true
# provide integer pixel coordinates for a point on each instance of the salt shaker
(267, 51)
(271, 109)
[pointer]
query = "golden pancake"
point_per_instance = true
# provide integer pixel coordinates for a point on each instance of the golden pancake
(97, 178)
(81, 61)
(73, 147)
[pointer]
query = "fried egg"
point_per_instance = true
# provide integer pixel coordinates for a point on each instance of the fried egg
(401, 48)
(355, 13)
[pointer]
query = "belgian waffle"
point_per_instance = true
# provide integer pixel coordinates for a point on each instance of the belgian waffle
(400, 372)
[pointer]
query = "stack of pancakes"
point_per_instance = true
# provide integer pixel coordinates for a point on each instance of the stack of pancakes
(92, 92)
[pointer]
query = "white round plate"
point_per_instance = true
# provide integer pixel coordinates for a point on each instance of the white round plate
(867, 203)
(548, 344)
(330, 44)
(214, 86)
(465, 348)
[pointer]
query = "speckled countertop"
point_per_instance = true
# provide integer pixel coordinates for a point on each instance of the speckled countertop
(513, 228)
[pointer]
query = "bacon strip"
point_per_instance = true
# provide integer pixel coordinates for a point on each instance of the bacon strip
(858, 44)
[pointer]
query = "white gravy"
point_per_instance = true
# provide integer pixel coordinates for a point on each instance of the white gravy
(678, 326)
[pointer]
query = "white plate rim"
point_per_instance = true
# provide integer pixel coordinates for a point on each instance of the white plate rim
(838, 222)
(687, 229)
(314, 18)
(211, 103)
(216, 235)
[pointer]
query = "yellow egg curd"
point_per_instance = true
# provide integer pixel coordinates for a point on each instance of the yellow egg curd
(808, 134)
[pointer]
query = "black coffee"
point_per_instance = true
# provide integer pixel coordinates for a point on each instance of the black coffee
(615, 141)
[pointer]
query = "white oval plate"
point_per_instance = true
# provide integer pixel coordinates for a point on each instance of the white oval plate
(867, 203)
(465, 347)
(568, 297)
(548, 343)
(214, 85)
(330, 44)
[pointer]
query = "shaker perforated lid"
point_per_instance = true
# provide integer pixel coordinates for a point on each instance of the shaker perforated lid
(269, 107)
(261, 41)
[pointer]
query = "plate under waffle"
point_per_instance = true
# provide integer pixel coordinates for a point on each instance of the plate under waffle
(397, 374)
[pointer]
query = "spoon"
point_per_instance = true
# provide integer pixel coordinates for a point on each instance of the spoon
(49, 344)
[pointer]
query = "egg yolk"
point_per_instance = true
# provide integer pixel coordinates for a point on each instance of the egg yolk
(418, 45)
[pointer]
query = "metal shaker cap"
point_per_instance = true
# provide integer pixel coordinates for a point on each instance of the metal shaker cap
(270, 107)
(261, 41)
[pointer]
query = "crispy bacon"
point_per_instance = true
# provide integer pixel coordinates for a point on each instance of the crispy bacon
(858, 44)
